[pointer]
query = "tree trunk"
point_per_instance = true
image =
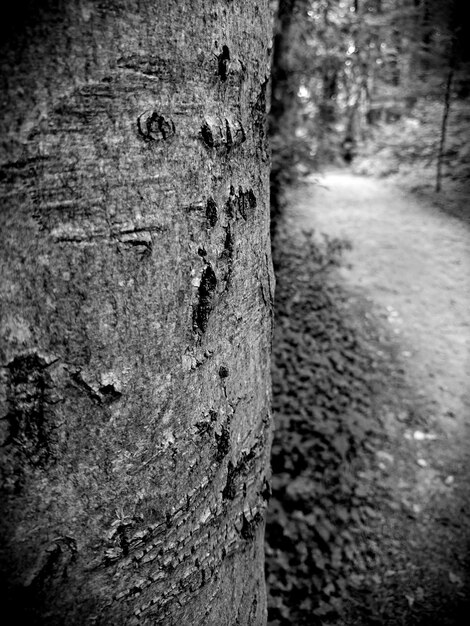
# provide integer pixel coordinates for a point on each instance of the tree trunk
(442, 138)
(136, 312)
(283, 111)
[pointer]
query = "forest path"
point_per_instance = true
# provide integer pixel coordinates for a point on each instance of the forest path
(411, 263)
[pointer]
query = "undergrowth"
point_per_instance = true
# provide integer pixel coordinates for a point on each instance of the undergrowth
(406, 150)
(326, 378)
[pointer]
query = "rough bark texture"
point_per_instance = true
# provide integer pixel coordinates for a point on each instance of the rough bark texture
(136, 309)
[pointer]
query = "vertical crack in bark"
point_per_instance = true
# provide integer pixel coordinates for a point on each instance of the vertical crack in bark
(223, 444)
(206, 135)
(211, 212)
(223, 63)
(204, 304)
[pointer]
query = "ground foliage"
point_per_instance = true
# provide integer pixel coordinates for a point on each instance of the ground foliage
(323, 382)
(340, 547)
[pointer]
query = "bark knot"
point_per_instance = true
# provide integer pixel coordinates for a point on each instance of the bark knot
(155, 127)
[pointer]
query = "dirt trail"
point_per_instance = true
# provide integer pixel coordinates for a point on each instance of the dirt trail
(412, 264)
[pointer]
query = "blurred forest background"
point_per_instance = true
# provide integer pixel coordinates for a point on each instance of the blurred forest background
(381, 84)
(379, 88)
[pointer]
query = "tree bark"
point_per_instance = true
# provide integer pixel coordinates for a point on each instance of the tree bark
(136, 312)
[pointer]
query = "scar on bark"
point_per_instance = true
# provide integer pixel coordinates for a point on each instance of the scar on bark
(211, 212)
(234, 134)
(235, 473)
(230, 490)
(106, 394)
(52, 567)
(155, 127)
(222, 443)
(223, 371)
(266, 492)
(222, 136)
(205, 299)
(223, 63)
(249, 527)
(228, 136)
(227, 255)
(27, 417)
(240, 203)
(246, 202)
(206, 135)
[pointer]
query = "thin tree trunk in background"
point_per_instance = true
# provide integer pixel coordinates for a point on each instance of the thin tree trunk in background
(327, 109)
(283, 110)
(136, 312)
(283, 86)
(442, 141)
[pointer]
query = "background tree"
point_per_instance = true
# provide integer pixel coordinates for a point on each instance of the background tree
(375, 75)
(136, 309)
(289, 148)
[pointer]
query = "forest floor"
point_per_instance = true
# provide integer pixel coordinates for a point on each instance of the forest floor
(370, 520)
